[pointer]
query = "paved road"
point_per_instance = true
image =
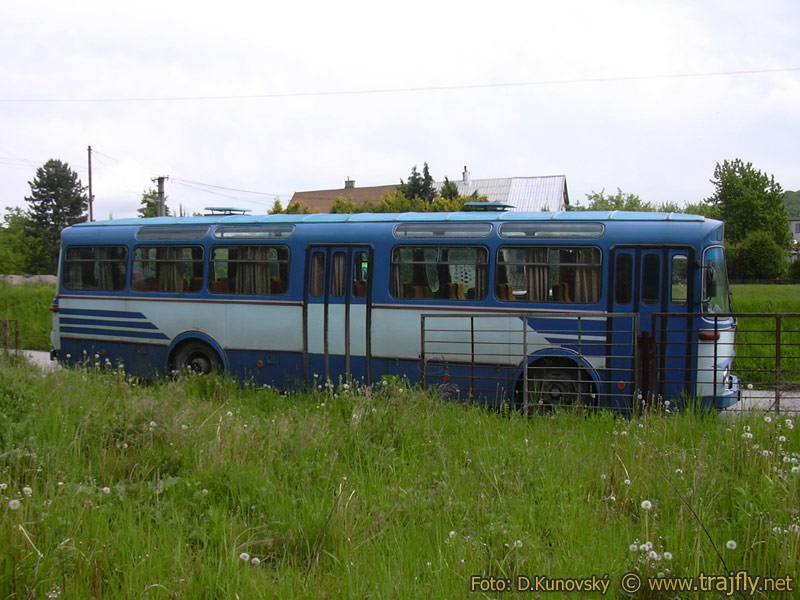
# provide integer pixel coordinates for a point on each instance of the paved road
(752, 400)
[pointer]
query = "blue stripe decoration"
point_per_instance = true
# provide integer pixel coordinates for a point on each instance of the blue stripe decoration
(115, 332)
(73, 321)
(119, 314)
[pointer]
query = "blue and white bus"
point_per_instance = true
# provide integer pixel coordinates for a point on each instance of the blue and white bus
(590, 308)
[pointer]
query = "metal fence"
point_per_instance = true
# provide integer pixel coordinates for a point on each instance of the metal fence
(766, 362)
(9, 335)
(535, 361)
(582, 359)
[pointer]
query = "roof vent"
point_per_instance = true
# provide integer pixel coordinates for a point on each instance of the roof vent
(465, 176)
(214, 211)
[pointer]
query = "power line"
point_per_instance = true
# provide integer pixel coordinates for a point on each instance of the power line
(440, 88)
(229, 189)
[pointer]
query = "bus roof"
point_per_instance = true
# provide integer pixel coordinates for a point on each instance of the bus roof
(411, 217)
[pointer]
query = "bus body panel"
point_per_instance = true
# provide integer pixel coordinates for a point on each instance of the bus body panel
(360, 324)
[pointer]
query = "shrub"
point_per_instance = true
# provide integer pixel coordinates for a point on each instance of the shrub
(759, 257)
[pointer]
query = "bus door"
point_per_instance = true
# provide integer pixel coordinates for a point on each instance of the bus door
(336, 314)
(648, 281)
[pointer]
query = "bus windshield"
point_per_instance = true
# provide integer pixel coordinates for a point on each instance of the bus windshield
(716, 293)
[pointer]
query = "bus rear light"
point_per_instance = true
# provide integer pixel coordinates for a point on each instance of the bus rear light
(54, 308)
(709, 336)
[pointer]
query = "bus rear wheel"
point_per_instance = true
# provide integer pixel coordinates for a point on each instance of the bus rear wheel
(196, 357)
(554, 383)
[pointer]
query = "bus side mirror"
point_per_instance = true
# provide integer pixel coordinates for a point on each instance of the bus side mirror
(709, 283)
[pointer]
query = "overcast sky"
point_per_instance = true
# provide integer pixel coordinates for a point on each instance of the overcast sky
(278, 97)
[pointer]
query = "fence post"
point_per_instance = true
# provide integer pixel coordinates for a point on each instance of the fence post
(777, 363)
(422, 347)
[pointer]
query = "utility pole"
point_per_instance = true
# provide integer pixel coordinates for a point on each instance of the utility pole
(160, 208)
(91, 197)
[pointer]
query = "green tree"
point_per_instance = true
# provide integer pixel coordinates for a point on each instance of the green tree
(449, 190)
(792, 201)
(419, 186)
(749, 200)
(15, 245)
(704, 210)
(297, 207)
(277, 207)
(57, 200)
(149, 203)
(619, 201)
(758, 257)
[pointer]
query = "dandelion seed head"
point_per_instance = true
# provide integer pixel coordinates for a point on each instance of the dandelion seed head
(667, 555)
(3, 486)
(796, 469)
(452, 535)
(255, 561)
(244, 557)
(731, 545)
(646, 505)
(767, 419)
(633, 548)
(229, 414)
(652, 555)
(27, 491)
(106, 490)
(13, 504)
(518, 544)
(627, 482)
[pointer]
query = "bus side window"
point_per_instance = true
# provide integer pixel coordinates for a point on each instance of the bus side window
(651, 274)
(623, 278)
(679, 285)
(360, 267)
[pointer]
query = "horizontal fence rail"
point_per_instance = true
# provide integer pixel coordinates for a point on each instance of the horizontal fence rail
(533, 361)
(766, 362)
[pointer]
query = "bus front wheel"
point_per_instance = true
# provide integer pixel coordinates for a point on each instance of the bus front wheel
(196, 357)
(557, 383)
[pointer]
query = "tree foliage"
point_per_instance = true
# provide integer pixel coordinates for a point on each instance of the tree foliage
(419, 186)
(397, 202)
(449, 189)
(15, 244)
(749, 200)
(149, 203)
(57, 200)
(758, 257)
(792, 201)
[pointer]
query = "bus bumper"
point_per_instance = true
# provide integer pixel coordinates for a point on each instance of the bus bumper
(730, 396)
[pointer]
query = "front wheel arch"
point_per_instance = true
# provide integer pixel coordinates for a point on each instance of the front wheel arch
(198, 343)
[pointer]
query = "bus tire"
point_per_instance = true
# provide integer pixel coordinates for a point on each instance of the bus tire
(196, 357)
(556, 383)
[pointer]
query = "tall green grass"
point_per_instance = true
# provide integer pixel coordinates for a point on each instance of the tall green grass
(28, 305)
(172, 489)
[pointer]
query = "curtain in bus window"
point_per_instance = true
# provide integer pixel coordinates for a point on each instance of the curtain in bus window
(169, 269)
(538, 274)
(317, 274)
(587, 276)
(105, 268)
(74, 275)
(252, 270)
(339, 274)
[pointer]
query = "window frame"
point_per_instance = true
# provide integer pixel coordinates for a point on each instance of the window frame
(457, 293)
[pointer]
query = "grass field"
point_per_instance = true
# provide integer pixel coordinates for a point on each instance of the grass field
(28, 305)
(200, 488)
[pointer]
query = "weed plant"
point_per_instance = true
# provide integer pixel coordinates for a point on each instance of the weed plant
(202, 488)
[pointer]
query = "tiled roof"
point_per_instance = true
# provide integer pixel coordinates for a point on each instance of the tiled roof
(321, 200)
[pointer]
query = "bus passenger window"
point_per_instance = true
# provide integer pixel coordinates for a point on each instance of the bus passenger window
(548, 274)
(173, 269)
(253, 270)
(679, 279)
(100, 268)
(439, 272)
(622, 279)
(360, 272)
(651, 274)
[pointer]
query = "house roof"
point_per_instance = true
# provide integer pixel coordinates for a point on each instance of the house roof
(321, 200)
(525, 194)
